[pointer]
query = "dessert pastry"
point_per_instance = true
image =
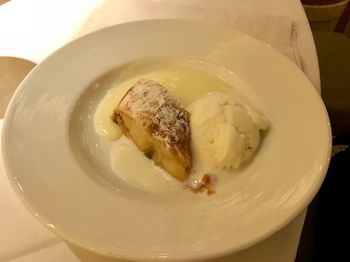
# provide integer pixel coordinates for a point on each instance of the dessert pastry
(158, 125)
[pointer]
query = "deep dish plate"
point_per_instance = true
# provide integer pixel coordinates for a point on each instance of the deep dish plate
(51, 170)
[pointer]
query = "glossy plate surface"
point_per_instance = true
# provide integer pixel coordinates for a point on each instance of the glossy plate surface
(53, 164)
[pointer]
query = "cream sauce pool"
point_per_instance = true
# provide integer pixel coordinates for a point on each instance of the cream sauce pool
(186, 81)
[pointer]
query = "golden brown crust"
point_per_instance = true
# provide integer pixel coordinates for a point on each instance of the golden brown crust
(161, 116)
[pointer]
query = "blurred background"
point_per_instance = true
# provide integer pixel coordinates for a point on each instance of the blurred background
(329, 21)
(326, 221)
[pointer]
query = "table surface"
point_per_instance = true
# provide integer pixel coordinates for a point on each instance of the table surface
(33, 29)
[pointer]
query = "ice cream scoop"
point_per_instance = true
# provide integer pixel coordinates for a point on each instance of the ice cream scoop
(225, 132)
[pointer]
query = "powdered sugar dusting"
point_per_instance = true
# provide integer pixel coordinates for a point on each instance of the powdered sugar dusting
(158, 112)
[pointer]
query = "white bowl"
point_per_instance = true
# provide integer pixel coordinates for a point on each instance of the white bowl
(53, 164)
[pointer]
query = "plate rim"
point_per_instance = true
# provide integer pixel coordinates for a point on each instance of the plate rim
(41, 219)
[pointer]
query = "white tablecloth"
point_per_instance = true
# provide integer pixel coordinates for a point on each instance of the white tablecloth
(33, 29)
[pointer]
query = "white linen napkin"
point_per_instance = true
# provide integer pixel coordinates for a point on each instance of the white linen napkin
(277, 31)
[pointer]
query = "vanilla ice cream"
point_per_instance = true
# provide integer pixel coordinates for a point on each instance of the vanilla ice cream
(225, 132)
